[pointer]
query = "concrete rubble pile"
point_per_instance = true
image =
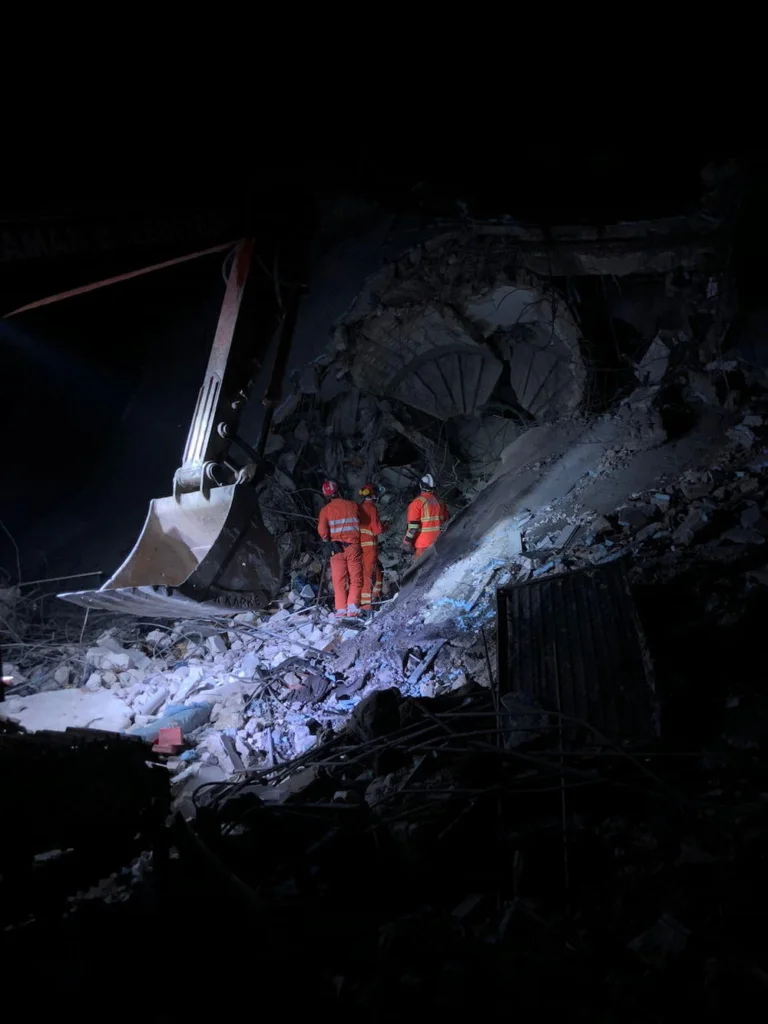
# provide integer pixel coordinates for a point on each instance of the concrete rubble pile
(238, 689)
(709, 516)
(256, 691)
(259, 690)
(484, 331)
(374, 782)
(452, 870)
(472, 357)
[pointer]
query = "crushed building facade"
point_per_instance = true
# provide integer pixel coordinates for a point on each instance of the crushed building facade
(572, 392)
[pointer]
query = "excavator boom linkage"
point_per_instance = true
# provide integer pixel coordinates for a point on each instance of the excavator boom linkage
(205, 550)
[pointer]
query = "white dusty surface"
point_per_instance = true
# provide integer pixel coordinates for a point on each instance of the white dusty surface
(63, 709)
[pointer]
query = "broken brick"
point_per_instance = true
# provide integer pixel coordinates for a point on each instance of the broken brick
(169, 741)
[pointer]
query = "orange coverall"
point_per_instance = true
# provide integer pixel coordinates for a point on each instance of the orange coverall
(371, 528)
(426, 514)
(339, 521)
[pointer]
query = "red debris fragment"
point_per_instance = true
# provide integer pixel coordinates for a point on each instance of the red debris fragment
(169, 741)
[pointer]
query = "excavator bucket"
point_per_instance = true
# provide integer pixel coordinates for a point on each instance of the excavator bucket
(205, 550)
(197, 555)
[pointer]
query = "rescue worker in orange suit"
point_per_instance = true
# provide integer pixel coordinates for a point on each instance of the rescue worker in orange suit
(339, 526)
(371, 528)
(426, 515)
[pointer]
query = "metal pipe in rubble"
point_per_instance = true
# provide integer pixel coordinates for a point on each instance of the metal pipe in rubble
(274, 389)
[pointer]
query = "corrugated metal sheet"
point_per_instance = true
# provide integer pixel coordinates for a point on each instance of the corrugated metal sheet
(573, 643)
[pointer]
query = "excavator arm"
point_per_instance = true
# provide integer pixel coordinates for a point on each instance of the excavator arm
(204, 549)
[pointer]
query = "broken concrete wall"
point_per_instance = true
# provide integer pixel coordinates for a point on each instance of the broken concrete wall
(451, 352)
(425, 358)
(446, 357)
(431, 328)
(539, 338)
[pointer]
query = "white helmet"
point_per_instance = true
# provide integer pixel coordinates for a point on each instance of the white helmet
(428, 481)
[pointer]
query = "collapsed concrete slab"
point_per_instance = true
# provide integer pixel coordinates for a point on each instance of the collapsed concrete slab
(425, 358)
(540, 339)
(58, 710)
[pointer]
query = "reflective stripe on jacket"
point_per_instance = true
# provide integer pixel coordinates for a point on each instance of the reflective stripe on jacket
(426, 514)
(338, 520)
(370, 524)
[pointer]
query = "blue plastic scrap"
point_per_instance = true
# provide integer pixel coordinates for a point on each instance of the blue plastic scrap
(614, 556)
(188, 716)
(453, 603)
(543, 568)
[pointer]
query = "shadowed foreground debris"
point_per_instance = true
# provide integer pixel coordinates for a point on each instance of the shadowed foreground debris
(561, 806)
(415, 861)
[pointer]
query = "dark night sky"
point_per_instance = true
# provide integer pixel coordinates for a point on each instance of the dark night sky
(69, 372)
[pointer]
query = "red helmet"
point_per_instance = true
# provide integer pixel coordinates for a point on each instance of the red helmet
(330, 488)
(368, 491)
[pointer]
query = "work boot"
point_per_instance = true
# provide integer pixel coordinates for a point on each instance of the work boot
(353, 612)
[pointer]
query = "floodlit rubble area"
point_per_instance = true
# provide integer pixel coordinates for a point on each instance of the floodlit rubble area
(397, 796)
(254, 691)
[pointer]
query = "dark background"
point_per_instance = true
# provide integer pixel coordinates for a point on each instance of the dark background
(97, 391)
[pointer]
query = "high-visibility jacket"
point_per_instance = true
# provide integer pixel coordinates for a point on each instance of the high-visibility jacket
(370, 524)
(338, 520)
(426, 514)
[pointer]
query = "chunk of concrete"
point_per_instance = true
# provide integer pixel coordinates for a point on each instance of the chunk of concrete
(693, 523)
(647, 532)
(138, 659)
(108, 643)
(229, 714)
(116, 662)
(742, 435)
(249, 666)
(565, 536)
(159, 638)
(635, 516)
(247, 618)
(599, 526)
(94, 681)
(753, 518)
(346, 658)
(95, 655)
(696, 484)
(223, 691)
(76, 709)
(223, 749)
(153, 701)
(216, 644)
(62, 674)
(653, 365)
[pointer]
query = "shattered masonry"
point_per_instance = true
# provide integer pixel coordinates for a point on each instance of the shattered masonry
(458, 839)
(528, 372)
